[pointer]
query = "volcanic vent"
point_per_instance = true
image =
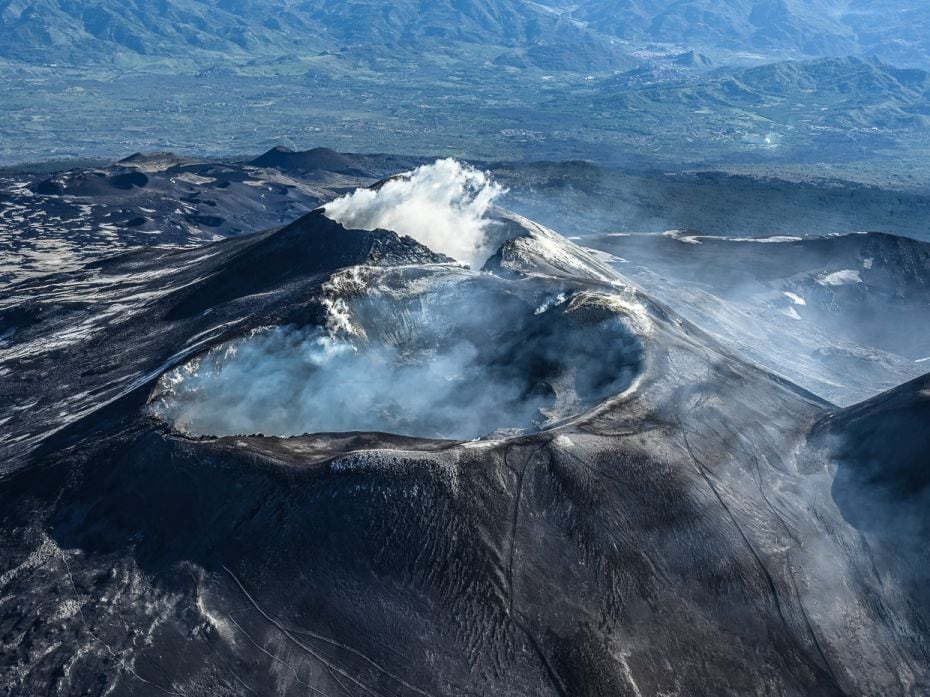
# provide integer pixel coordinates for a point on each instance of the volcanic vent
(433, 350)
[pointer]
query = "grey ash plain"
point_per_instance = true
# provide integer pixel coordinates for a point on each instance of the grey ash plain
(749, 518)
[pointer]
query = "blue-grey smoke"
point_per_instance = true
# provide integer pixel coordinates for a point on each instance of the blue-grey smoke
(458, 362)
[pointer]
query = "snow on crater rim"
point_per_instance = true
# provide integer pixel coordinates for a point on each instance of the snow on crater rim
(840, 278)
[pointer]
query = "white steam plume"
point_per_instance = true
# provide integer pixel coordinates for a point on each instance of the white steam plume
(442, 205)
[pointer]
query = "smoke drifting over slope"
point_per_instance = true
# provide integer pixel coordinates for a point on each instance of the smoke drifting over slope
(442, 205)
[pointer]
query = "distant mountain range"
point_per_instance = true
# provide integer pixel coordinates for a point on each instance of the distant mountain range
(549, 34)
(240, 31)
(895, 30)
(836, 94)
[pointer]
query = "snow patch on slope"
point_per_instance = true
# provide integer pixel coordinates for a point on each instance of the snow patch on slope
(840, 278)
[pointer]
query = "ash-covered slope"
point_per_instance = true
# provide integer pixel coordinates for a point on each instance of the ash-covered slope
(61, 221)
(678, 536)
(318, 159)
(845, 316)
(716, 203)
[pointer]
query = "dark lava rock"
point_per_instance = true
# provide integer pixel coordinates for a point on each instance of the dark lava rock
(287, 160)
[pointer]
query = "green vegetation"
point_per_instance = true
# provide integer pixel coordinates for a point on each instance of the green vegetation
(839, 117)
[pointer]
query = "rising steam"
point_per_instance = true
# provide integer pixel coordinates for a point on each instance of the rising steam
(442, 205)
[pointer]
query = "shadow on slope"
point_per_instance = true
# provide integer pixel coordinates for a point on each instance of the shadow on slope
(882, 483)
